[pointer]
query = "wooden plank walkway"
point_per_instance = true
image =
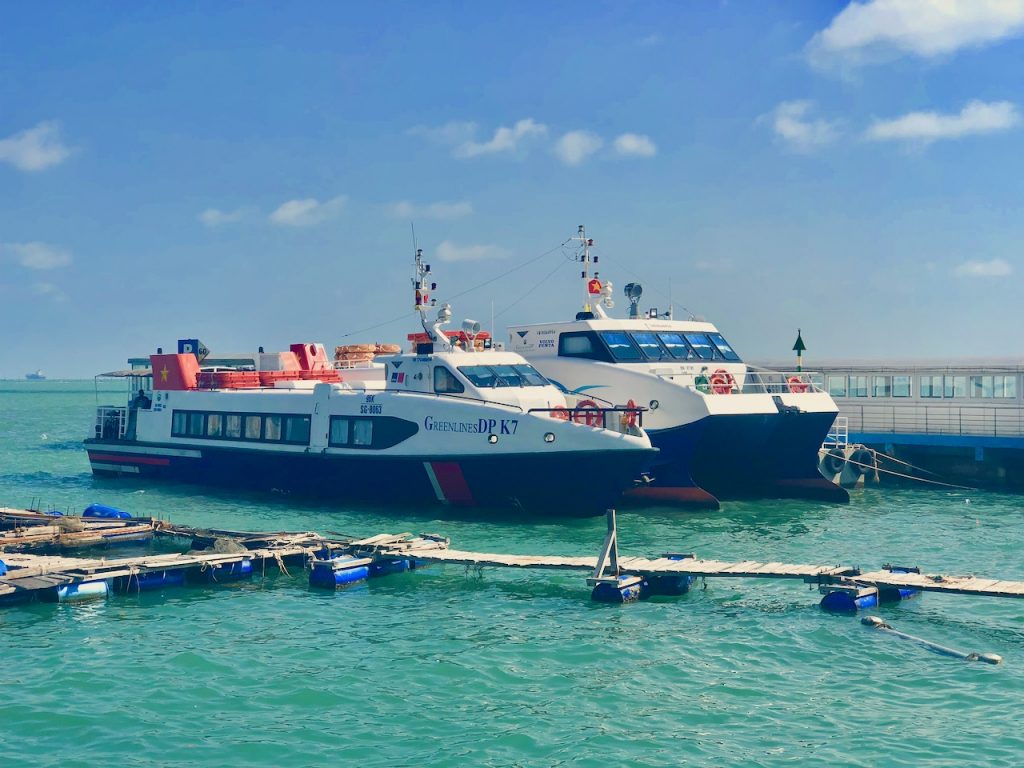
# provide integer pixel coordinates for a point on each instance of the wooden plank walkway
(24, 529)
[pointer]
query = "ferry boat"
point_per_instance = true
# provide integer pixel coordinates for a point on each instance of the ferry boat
(442, 424)
(725, 429)
(37, 376)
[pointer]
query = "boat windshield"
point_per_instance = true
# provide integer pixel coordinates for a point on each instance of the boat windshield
(489, 376)
(677, 346)
(650, 346)
(621, 345)
(723, 346)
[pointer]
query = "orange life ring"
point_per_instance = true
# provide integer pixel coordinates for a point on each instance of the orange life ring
(561, 414)
(797, 385)
(587, 413)
(629, 418)
(722, 382)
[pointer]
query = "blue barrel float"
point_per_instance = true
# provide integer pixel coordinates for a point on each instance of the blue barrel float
(338, 571)
(853, 599)
(623, 589)
(149, 581)
(70, 593)
(221, 573)
(102, 510)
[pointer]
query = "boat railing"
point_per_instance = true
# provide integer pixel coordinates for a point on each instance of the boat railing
(620, 418)
(770, 382)
(839, 434)
(111, 422)
(926, 418)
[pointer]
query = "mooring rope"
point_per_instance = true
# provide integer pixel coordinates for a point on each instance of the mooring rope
(909, 477)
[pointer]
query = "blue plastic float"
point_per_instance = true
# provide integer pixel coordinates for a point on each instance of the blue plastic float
(145, 582)
(625, 589)
(221, 573)
(851, 600)
(338, 571)
(70, 593)
(102, 510)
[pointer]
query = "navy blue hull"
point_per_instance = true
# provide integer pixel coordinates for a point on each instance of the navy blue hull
(673, 483)
(566, 484)
(764, 455)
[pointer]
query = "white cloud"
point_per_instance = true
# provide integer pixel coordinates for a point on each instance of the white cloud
(977, 117)
(504, 140)
(878, 29)
(791, 122)
(50, 291)
(440, 210)
(993, 268)
(36, 255)
(576, 146)
(635, 144)
(34, 149)
(449, 251)
(214, 217)
(305, 213)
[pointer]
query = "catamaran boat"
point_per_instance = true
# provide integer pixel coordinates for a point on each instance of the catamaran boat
(725, 429)
(441, 424)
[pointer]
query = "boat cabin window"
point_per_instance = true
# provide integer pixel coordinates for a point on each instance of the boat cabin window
(362, 432)
(702, 345)
(370, 432)
(446, 382)
(583, 344)
(901, 386)
(881, 386)
(270, 427)
(489, 376)
(621, 346)
(677, 346)
(723, 346)
(650, 345)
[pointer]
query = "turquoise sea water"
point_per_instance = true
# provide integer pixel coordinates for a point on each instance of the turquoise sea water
(453, 668)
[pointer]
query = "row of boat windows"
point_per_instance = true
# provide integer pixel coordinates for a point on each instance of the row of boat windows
(265, 427)
(639, 346)
(930, 386)
(487, 377)
(292, 429)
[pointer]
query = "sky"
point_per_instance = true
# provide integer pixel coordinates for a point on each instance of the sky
(254, 174)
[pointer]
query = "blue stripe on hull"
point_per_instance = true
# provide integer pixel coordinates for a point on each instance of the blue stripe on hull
(576, 484)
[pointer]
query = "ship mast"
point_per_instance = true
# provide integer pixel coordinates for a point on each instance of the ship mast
(593, 289)
(422, 289)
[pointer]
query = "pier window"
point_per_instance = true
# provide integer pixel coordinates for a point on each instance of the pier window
(881, 386)
(994, 386)
(954, 386)
(901, 386)
(677, 346)
(858, 386)
(233, 426)
(931, 386)
(837, 386)
(621, 346)
(253, 427)
(723, 346)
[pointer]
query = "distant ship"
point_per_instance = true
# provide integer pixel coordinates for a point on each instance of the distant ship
(37, 376)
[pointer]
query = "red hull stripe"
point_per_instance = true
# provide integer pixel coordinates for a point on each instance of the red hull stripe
(121, 459)
(452, 482)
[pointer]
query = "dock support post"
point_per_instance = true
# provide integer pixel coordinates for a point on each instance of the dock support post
(612, 587)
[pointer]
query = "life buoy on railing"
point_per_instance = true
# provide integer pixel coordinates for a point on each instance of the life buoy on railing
(797, 385)
(562, 414)
(722, 382)
(587, 412)
(629, 417)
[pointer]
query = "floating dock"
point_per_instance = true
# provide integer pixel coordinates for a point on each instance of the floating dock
(221, 555)
(28, 528)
